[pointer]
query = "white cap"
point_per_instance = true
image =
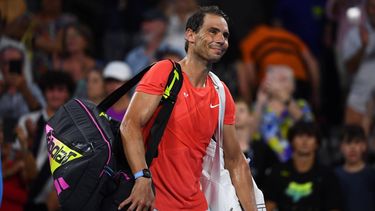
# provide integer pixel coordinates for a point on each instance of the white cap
(117, 70)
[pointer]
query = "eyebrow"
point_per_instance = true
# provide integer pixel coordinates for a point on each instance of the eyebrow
(225, 33)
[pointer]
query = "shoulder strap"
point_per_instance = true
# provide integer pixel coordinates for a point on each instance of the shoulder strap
(218, 158)
(111, 99)
(169, 98)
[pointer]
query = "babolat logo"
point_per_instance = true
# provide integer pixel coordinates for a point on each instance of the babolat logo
(59, 153)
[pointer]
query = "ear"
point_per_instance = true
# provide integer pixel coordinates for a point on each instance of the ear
(190, 36)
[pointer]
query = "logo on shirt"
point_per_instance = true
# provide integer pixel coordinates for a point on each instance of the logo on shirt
(299, 190)
(186, 94)
(214, 106)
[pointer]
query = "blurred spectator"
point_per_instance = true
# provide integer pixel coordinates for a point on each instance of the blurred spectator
(358, 55)
(154, 28)
(95, 86)
(357, 180)
(369, 127)
(18, 171)
(302, 183)
(1, 181)
(10, 10)
(76, 55)
(268, 45)
(115, 74)
(178, 13)
(306, 19)
(261, 156)
(276, 110)
(18, 96)
(46, 30)
(57, 88)
(168, 53)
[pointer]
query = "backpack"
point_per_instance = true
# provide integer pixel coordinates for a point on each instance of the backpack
(87, 162)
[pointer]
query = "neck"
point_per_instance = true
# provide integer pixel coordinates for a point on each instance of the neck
(303, 163)
(196, 69)
(153, 45)
(354, 167)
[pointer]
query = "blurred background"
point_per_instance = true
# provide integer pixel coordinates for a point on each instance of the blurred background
(288, 60)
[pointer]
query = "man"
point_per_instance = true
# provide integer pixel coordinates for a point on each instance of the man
(154, 29)
(358, 55)
(268, 46)
(177, 169)
(302, 183)
(18, 96)
(356, 177)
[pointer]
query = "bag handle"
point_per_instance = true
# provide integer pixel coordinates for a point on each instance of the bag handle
(169, 98)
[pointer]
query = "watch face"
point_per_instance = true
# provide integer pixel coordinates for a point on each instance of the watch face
(146, 173)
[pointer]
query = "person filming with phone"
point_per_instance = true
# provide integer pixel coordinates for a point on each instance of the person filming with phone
(17, 97)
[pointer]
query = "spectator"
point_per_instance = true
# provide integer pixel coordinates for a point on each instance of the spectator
(17, 172)
(154, 29)
(115, 74)
(267, 45)
(178, 13)
(357, 179)
(358, 51)
(261, 156)
(76, 55)
(276, 110)
(95, 86)
(18, 96)
(57, 87)
(46, 29)
(302, 183)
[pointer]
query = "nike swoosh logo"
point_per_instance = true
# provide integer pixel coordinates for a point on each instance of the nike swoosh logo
(214, 106)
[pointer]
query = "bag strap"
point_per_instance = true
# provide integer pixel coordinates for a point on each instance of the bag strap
(112, 98)
(169, 98)
(218, 157)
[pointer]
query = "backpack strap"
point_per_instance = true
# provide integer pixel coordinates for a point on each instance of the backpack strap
(169, 98)
(112, 98)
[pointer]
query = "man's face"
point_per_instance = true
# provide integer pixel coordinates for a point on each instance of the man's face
(304, 144)
(56, 96)
(353, 151)
(370, 9)
(211, 41)
(153, 29)
(7, 56)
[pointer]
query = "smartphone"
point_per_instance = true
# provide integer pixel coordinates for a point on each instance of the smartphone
(15, 66)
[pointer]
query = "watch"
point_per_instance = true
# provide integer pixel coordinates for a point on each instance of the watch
(142, 173)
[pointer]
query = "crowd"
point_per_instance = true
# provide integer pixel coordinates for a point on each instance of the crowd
(301, 73)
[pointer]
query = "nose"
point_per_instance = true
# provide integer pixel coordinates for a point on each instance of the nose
(220, 38)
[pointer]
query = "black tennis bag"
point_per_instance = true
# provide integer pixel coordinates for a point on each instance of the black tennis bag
(87, 161)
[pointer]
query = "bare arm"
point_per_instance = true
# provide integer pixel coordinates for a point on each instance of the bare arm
(139, 112)
(238, 168)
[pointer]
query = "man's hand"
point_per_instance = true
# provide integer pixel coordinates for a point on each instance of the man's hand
(142, 196)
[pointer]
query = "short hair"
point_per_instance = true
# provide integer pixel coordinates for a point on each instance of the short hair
(56, 78)
(351, 133)
(303, 127)
(195, 21)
